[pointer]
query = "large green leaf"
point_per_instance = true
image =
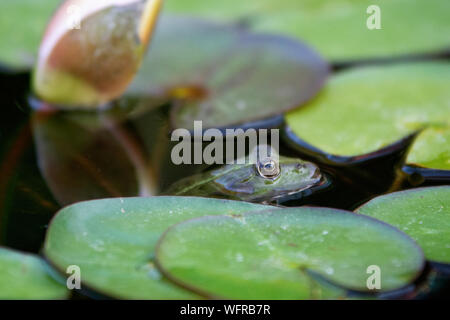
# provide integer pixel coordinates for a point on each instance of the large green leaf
(224, 75)
(271, 255)
(25, 276)
(22, 25)
(423, 214)
(338, 28)
(113, 241)
(366, 109)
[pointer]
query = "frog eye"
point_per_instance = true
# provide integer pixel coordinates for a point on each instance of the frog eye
(268, 168)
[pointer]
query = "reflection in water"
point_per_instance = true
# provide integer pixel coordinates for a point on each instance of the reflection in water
(84, 155)
(80, 161)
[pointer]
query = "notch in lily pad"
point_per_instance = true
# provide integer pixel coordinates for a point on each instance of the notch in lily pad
(275, 254)
(113, 241)
(89, 62)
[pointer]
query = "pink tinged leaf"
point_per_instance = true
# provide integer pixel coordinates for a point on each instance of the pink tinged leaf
(92, 50)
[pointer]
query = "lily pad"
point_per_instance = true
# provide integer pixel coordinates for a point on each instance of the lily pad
(26, 277)
(432, 148)
(113, 241)
(22, 25)
(224, 75)
(422, 213)
(271, 255)
(364, 110)
(234, 10)
(338, 28)
(243, 182)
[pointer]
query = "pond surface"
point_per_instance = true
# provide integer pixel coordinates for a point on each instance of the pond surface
(50, 160)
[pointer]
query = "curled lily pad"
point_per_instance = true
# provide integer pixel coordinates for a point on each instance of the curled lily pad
(364, 110)
(272, 254)
(338, 29)
(244, 182)
(26, 276)
(92, 50)
(423, 214)
(224, 75)
(113, 241)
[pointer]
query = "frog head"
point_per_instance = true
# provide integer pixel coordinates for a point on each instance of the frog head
(267, 180)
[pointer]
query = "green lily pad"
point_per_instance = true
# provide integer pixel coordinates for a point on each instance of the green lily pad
(270, 255)
(432, 148)
(22, 26)
(243, 182)
(26, 277)
(113, 241)
(234, 10)
(423, 214)
(224, 75)
(337, 29)
(364, 110)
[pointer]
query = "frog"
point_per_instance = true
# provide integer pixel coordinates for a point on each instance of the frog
(268, 181)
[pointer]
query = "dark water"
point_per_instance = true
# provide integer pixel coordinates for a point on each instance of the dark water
(26, 204)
